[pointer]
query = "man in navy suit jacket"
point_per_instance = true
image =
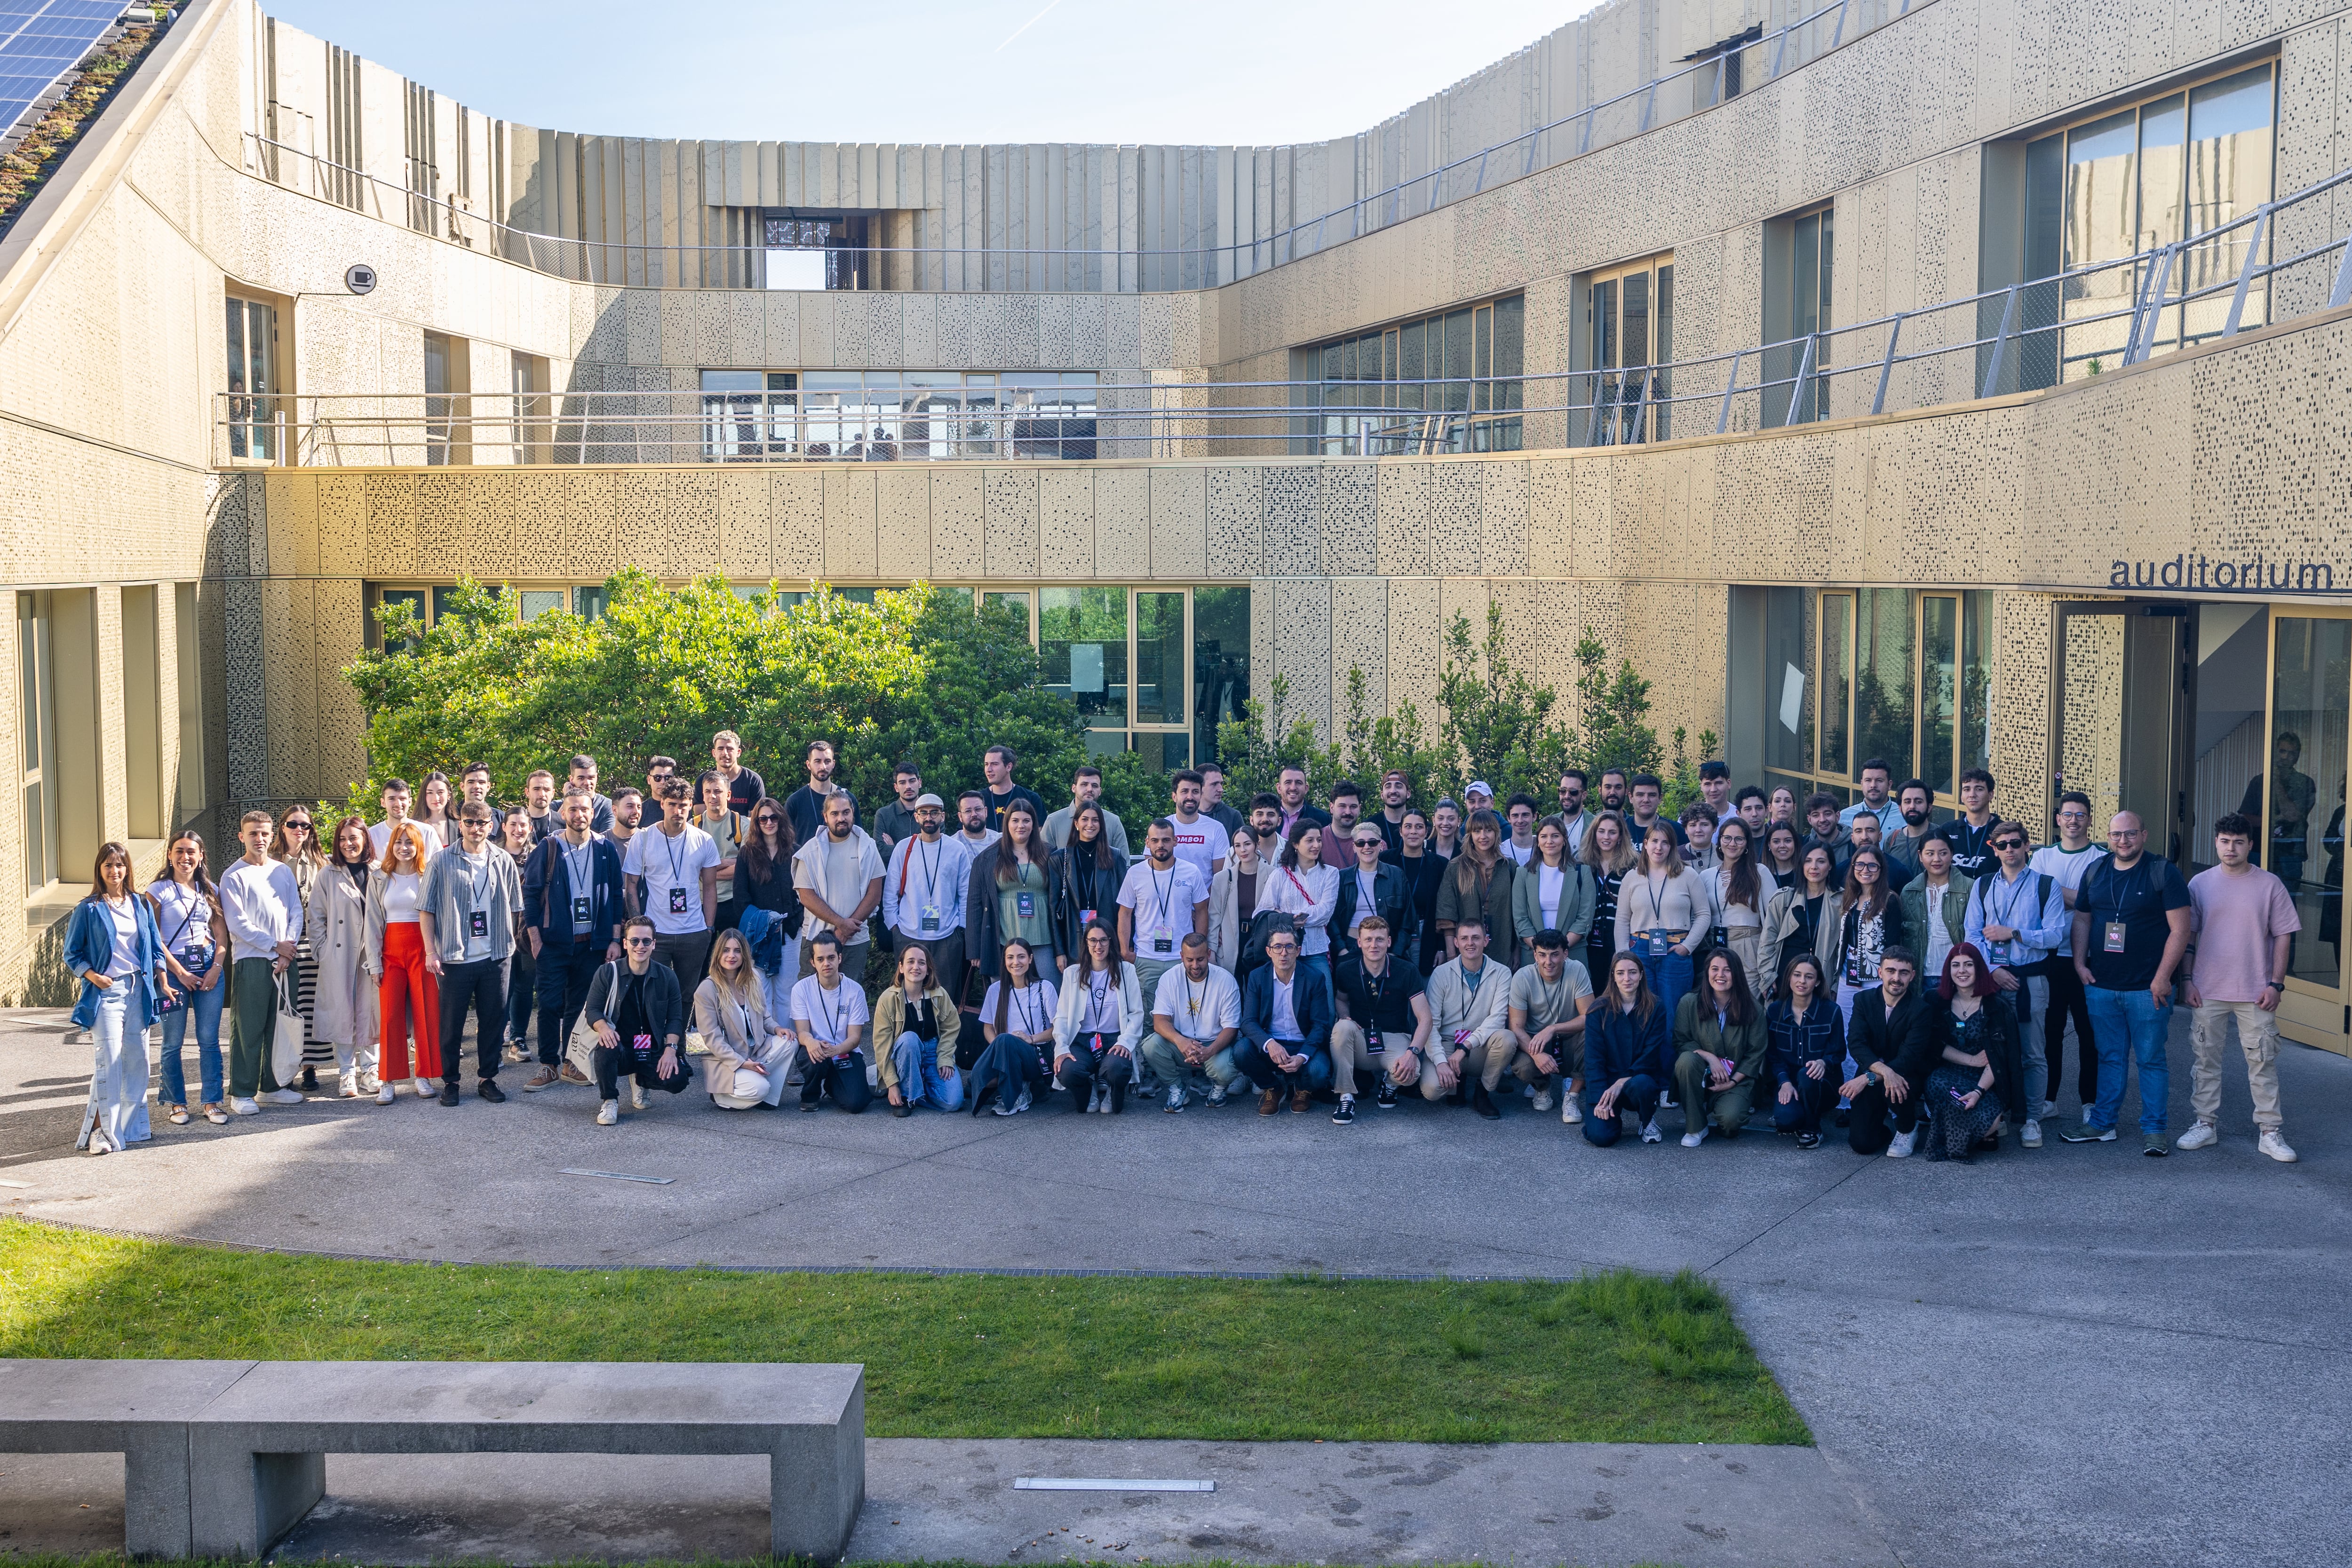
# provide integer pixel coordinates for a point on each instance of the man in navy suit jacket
(1286, 1045)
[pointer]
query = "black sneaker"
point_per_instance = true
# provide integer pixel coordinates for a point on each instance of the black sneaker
(1484, 1104)
(488, 1089)
(310, 1077)
(1809, 1140)
(1844, 1117)
(1386, 1098)
(449, 1094)
(808, 1105)
(1347, 1111)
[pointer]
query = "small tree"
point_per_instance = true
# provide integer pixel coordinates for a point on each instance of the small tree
(1613, 709)
(1494, 724)
(1374, 746)
(1254, 749)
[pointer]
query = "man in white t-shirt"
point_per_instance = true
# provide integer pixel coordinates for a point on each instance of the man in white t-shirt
(1200, 840)
(829, 1017)
(2067, 863)
(1162, 900)
(838, 876)
(396, 802)
(670, 874)
(1196, 1017)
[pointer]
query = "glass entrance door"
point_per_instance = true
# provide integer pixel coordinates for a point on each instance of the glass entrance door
(2121, 729)
(2300, 795)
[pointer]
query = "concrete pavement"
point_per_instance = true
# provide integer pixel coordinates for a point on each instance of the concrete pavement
(2078, 1352)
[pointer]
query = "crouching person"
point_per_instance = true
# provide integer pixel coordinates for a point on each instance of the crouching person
(1196, 1019)
(749, 1052)
(1099, 1024)
(829, 1018)
(1628, 1055)
(1719, 1046)
(1286, 1045)
(1384, 1021)
(640, 1024)
(921, 1022)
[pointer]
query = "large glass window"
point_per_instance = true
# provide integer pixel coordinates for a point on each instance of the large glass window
(1629, 315)
(1448, 383)
(1082, 638)
(1787, 724)
(1221, 662)
(882, 417)
(2158, 174)
(36, 722)
(1940, 659)
(256, 420)
(1837, 683)
(1799, 253)
(2302, 795)
(1882, 679)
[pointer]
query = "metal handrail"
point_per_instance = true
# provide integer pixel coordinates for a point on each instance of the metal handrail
(1791, 381)
(1363, 215)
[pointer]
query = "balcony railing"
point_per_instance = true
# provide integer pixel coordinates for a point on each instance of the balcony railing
(2261, 268)
(1691, 88)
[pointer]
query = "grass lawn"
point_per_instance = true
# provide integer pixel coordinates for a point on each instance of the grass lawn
(1618, 1357)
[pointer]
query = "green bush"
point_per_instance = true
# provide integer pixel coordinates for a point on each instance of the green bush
(915, 675)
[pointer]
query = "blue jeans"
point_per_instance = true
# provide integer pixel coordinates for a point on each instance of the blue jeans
(1313, 1075)
(1669, 973)
(206, 1006)
(2128, 1024)
(1639, 1096)
(922, 1081)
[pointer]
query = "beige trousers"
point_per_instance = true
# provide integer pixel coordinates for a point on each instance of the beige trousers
(2258, 1035)
(1486, 1062)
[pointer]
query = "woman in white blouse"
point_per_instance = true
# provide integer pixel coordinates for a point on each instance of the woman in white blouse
(1744, 892)
(1099, 1024)
(410, 995)
(1307, 890)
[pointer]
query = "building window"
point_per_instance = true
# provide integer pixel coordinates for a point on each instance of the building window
(882, 417)
(816, 252)
(143, 712)
(1845, 676)
(2161, 172)
(448, 433)
(533, 412)
(1221, 658)
(56, 646)
(37, 709)
(1628, 327)
(187, 635)
(1448, 383)
(1797, 256)
(257, 414)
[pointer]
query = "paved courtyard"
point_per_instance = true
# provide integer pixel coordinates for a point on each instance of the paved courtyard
(2076, 1355)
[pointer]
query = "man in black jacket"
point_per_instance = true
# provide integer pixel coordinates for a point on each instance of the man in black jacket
(1895, 1038)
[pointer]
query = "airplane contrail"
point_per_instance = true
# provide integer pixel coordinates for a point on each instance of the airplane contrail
(1026, 26)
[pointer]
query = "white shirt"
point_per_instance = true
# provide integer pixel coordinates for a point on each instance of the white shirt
(1520, 856)
(404, 895)
(925, 882)
(379, 835)
(672, 870)
(1367, 885)
(1285, 1023)
(1200, 845)
(828, 1015)
(263, 906)
(1161, 903)
(1099, 1013)
(122, 922)
(1939, 941)
(1550, 881)
(1312, 896)
(186, 915)
(1029, 1010)
(972, 847)
(1201, 1009)
(2066, 868)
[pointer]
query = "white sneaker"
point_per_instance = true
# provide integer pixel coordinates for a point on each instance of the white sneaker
(1216, 1094)
(1900, 1148)
(2031, 1137)
(608, 1113)
(241, 1106)
(370, 1083)
(348, 1087)
(1569, 1111)
(1650, 1133)
(2273, 1144)
(1696, 1137)
(636, 1095)
(1543, 1100)
(284, 1097)
(1099, 1098)
(423, 1090)
(1017, 1107)
(2049, 1109)
(383, 1095)
(1176, 1097)
(2201, 1135)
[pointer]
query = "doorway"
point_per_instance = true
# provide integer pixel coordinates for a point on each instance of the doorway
(2125, 674)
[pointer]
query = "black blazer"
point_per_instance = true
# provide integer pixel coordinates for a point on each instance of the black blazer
(1062, 903)
(1391, 901)
(1911, 1039)
(1310, 999)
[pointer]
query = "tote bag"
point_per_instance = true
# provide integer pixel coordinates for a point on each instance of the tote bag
(286, 1038)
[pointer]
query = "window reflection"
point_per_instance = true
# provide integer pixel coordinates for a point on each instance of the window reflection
(2299, 797)
(885, 417)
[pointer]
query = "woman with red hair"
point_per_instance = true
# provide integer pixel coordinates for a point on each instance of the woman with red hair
(409, 996)
(1978, 1080)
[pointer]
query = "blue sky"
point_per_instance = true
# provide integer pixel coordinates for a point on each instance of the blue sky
(984, 70)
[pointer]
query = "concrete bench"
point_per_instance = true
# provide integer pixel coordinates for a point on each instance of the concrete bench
(140, 1409)
(224, 1457)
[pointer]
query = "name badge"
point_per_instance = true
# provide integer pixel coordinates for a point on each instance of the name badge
(1085, 918)
(678, 900)
(1658, 945)
(579, 910)
(2115, 936)
(1163, 942)
(642, 1044)
(1024, 905)
(1372, 1042)
(930, 919)
(477, 923)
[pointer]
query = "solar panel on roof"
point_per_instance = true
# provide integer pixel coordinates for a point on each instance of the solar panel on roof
(40, 40)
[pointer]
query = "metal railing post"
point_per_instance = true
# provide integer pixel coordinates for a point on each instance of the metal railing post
(1721, 76)
(2001, 341)
(2143, 336)
(1730, 385)
(1584, 137)
(1804, 368)
(1641, 409)
(2341, 295)
(1779, 49)
(1886, 365)
(1837, 34)
(2246, 273)
(1649, 104)
(1480, 183)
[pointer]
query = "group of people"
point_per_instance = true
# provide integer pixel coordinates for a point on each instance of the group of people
(1815, 961)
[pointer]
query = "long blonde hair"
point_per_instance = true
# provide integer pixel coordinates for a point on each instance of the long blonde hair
(743, 984)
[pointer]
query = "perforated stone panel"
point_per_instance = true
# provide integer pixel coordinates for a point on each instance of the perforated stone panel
(1180, 524)
(1293, 523)
(1068, 502)
(849, 507)
(903, 524)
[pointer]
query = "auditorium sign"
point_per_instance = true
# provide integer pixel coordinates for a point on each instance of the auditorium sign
(2254, 574)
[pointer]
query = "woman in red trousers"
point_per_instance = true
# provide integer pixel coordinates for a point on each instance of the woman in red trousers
(410, 996)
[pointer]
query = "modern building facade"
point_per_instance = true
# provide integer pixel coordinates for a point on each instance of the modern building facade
(1963, 383)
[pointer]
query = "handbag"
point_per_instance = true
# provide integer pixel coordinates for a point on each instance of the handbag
(286, 1038)
(580, 1045)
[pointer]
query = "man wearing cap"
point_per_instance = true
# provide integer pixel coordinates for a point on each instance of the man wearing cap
(1478, 797)
(923, 888)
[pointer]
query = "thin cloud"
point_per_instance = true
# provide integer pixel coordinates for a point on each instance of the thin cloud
(1026, 26)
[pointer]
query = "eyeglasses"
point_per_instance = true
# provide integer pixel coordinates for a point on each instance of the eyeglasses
(641, 941)
(302, 826)
(768, 820)
(2010, 844)
(1368, 844)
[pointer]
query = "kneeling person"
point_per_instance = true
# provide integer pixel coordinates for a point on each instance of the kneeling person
(923, 1024)
(749, 1052)
(1384, 1020)
(1719, 1046)
(640, 1022)
(1470, 1003)
(1286, 1029)
(829, 1017)
(1195, 1018)
(1549, 1001)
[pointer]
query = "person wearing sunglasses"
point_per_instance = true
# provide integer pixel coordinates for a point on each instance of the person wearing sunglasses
(295, 847)
(2017, 918)
(639, 1020)
(1370, 888)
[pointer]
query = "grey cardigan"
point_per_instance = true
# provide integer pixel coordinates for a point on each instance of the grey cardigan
(1578, 896)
